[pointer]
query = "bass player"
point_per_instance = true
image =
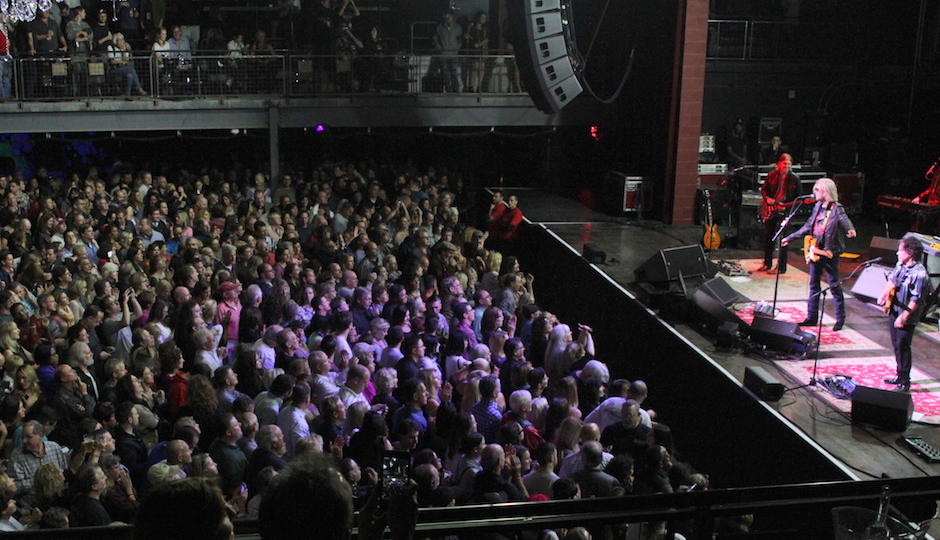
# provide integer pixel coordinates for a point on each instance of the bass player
(780, 189)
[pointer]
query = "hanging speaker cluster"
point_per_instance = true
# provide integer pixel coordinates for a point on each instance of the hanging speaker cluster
(545, 52)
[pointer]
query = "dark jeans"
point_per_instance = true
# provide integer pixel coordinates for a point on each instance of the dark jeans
(901, 339)
(770, 228)
(831, 268)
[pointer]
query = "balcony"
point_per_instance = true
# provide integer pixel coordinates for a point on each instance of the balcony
(209, 90)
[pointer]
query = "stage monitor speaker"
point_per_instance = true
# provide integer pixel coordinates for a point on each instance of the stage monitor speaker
(720, 290)
(871, 282)
(594, 254)
(886, 248)
(715, 313)
(883, 409)
(668, 264)
(781, 336)
(764, 385)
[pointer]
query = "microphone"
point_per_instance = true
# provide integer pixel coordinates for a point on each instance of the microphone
(871, 262)
(806, 198)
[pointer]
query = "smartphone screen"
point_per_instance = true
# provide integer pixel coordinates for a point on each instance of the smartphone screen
(395, 472)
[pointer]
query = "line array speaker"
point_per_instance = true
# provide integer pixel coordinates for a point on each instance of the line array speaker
(542, 50)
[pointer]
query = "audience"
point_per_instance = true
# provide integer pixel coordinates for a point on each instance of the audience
(194, 316)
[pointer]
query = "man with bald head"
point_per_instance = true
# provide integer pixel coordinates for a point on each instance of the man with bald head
(629, 436)
(592, 479)
(489, 484)
(572, 462)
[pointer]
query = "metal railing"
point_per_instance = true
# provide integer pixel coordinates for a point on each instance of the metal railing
(801, 511)
(282, 73)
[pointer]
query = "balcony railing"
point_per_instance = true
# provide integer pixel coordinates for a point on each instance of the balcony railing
(281, 74)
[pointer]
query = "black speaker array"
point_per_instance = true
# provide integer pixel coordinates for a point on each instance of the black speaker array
(540, 43)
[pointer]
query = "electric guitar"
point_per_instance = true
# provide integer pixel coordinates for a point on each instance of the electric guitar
(712, 239)
(893, 301)
(766, 210)
(813, 253)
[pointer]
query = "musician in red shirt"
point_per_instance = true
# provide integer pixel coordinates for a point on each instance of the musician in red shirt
(927, 221)
(780, 187)
(932, 194)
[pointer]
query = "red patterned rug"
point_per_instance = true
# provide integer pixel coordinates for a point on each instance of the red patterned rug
(868, 372)
(843, 340)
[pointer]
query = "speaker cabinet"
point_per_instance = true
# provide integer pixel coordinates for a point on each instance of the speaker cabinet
(886, 248)
(538, 30)
(670, 264)
(594, 254)
(764, 385)
(883, 409)
(782, 336)
(713, 312)
(720, 290)
(871, 282)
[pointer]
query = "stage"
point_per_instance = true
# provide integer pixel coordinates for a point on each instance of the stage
(864, 343)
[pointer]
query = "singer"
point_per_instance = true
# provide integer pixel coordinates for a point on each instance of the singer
(904, 297)
(780, 189)
(826, 224)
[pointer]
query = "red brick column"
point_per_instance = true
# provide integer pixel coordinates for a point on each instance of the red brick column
(688, 96)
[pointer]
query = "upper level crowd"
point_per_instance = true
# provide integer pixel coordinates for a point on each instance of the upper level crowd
(87, 32)
(166, 335)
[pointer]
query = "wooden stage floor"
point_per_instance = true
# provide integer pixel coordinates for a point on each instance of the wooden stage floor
(870, 453)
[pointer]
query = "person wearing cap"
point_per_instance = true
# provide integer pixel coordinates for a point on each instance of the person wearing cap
(162, 472)
(100, 32)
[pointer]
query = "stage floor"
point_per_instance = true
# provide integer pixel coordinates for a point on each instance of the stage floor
(628, 243)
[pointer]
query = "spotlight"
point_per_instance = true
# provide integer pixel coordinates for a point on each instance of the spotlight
(321, 128)
(235, 131)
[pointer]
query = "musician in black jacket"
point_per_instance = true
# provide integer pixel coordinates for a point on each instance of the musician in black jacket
(782, 186)
(827, 225)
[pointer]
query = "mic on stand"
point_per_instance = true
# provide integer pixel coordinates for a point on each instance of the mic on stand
(871, 262)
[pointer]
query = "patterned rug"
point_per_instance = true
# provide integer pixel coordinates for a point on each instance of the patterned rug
(868, 372)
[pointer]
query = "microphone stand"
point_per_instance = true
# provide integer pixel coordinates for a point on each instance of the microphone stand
(819, 317)
(776, 240)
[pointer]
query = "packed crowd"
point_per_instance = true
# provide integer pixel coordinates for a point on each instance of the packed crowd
(213, 326)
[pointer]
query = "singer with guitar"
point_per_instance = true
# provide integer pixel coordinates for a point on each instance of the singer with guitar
(904, 298)
(780, 189)
(828, 226)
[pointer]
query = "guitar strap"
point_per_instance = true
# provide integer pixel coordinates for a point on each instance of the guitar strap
(820, 234)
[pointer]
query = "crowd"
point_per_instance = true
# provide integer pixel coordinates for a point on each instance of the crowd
(94, 32)
(159, 327)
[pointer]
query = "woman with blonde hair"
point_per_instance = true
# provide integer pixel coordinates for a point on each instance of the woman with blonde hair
(76, 292)
(567, 436)
(27, 385)
(49, 487)
(10, 342)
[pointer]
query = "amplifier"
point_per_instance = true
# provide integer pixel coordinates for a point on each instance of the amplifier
(750, 198)
(712, 168)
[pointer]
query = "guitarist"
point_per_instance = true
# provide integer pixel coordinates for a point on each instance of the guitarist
(828, 224)
(905, 297)
(781, 186)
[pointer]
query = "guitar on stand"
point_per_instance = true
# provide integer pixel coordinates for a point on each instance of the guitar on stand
(712, 239)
